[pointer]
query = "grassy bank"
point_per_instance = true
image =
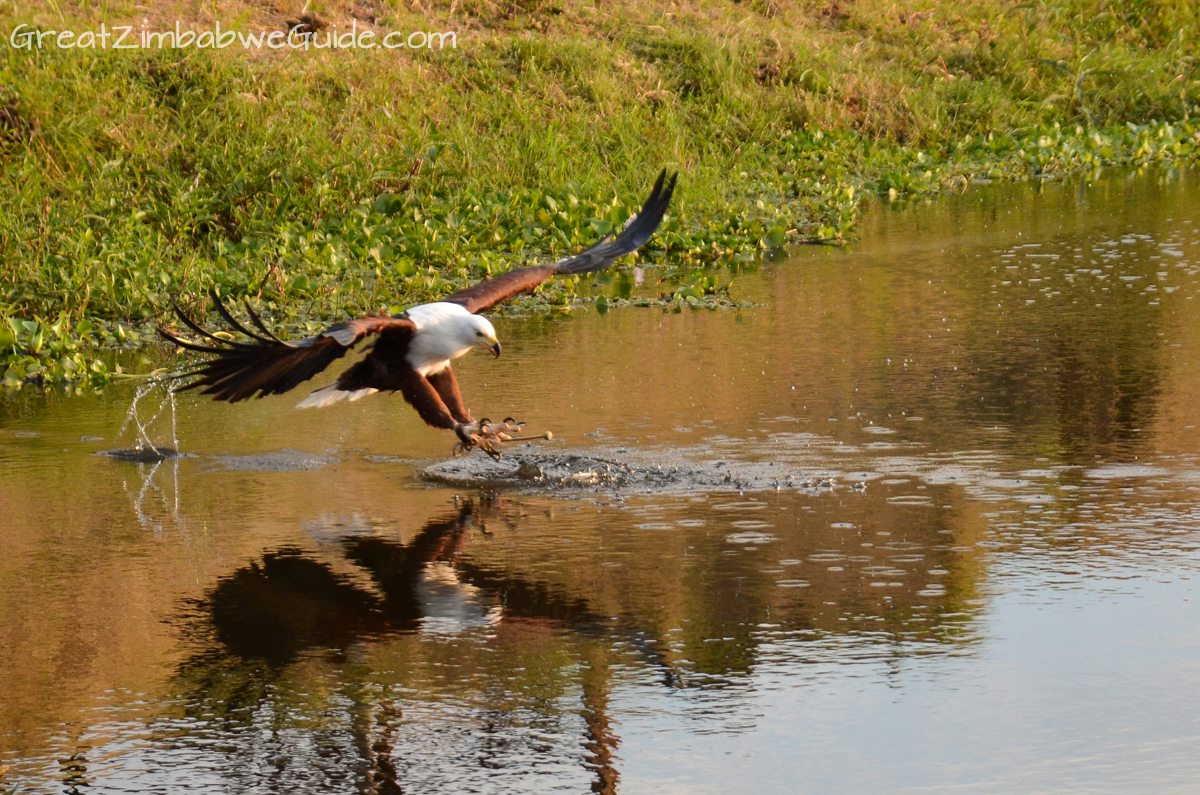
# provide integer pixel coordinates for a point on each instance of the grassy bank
(323, 183)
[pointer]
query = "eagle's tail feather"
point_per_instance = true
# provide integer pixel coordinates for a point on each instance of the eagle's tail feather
(320, 398)
(334, 393)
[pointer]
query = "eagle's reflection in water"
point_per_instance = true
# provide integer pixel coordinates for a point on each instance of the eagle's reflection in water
(448, 604)
(288, 602)
(275, 616)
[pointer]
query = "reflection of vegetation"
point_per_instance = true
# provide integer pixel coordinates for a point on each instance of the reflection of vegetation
(1044, 315)
(1078, 342)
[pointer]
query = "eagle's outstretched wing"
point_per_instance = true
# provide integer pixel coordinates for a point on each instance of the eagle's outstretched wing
(490, 292)
(267, 365)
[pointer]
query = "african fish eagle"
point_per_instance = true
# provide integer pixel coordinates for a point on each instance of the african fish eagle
(412, 350)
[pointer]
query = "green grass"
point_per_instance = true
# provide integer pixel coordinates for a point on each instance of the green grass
(325, 184)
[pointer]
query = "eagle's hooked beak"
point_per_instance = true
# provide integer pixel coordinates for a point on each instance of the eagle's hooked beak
(492, 345)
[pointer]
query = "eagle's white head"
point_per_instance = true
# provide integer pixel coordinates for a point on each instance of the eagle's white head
(479, 331)
(446, 331)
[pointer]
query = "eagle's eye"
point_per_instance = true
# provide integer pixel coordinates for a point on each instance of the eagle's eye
(478, 333)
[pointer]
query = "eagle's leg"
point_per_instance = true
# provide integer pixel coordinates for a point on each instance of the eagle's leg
(446, 385)
(422, 395)
(471, 434)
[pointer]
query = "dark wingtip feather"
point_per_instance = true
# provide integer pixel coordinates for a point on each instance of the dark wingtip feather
(231, 320)
(174, 339)
(600, 255)
(187, 321)
(651, 215)
(261, 326)
(264, 365)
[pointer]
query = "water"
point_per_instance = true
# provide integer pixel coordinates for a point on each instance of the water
(926, 519)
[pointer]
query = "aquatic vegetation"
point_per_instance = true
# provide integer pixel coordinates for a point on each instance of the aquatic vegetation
(325, 184)
(38, 352)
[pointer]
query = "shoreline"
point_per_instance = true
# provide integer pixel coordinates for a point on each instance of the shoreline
(323, 185)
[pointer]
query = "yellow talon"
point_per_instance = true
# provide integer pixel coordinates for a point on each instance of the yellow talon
(490, 437)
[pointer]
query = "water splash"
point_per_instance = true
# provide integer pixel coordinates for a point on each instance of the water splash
(151, 487)
(149, 447)
(145, 449)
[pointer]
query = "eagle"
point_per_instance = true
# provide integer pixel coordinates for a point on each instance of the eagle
(411, 351)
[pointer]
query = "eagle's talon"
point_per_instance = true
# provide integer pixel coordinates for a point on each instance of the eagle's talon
(466, 435)
(490, 437)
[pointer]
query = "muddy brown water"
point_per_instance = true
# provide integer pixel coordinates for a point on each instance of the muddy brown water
(926, 519)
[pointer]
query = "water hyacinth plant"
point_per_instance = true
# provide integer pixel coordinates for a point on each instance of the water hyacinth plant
(38, 352)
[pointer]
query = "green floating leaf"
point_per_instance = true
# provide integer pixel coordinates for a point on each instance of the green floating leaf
(776, 237)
